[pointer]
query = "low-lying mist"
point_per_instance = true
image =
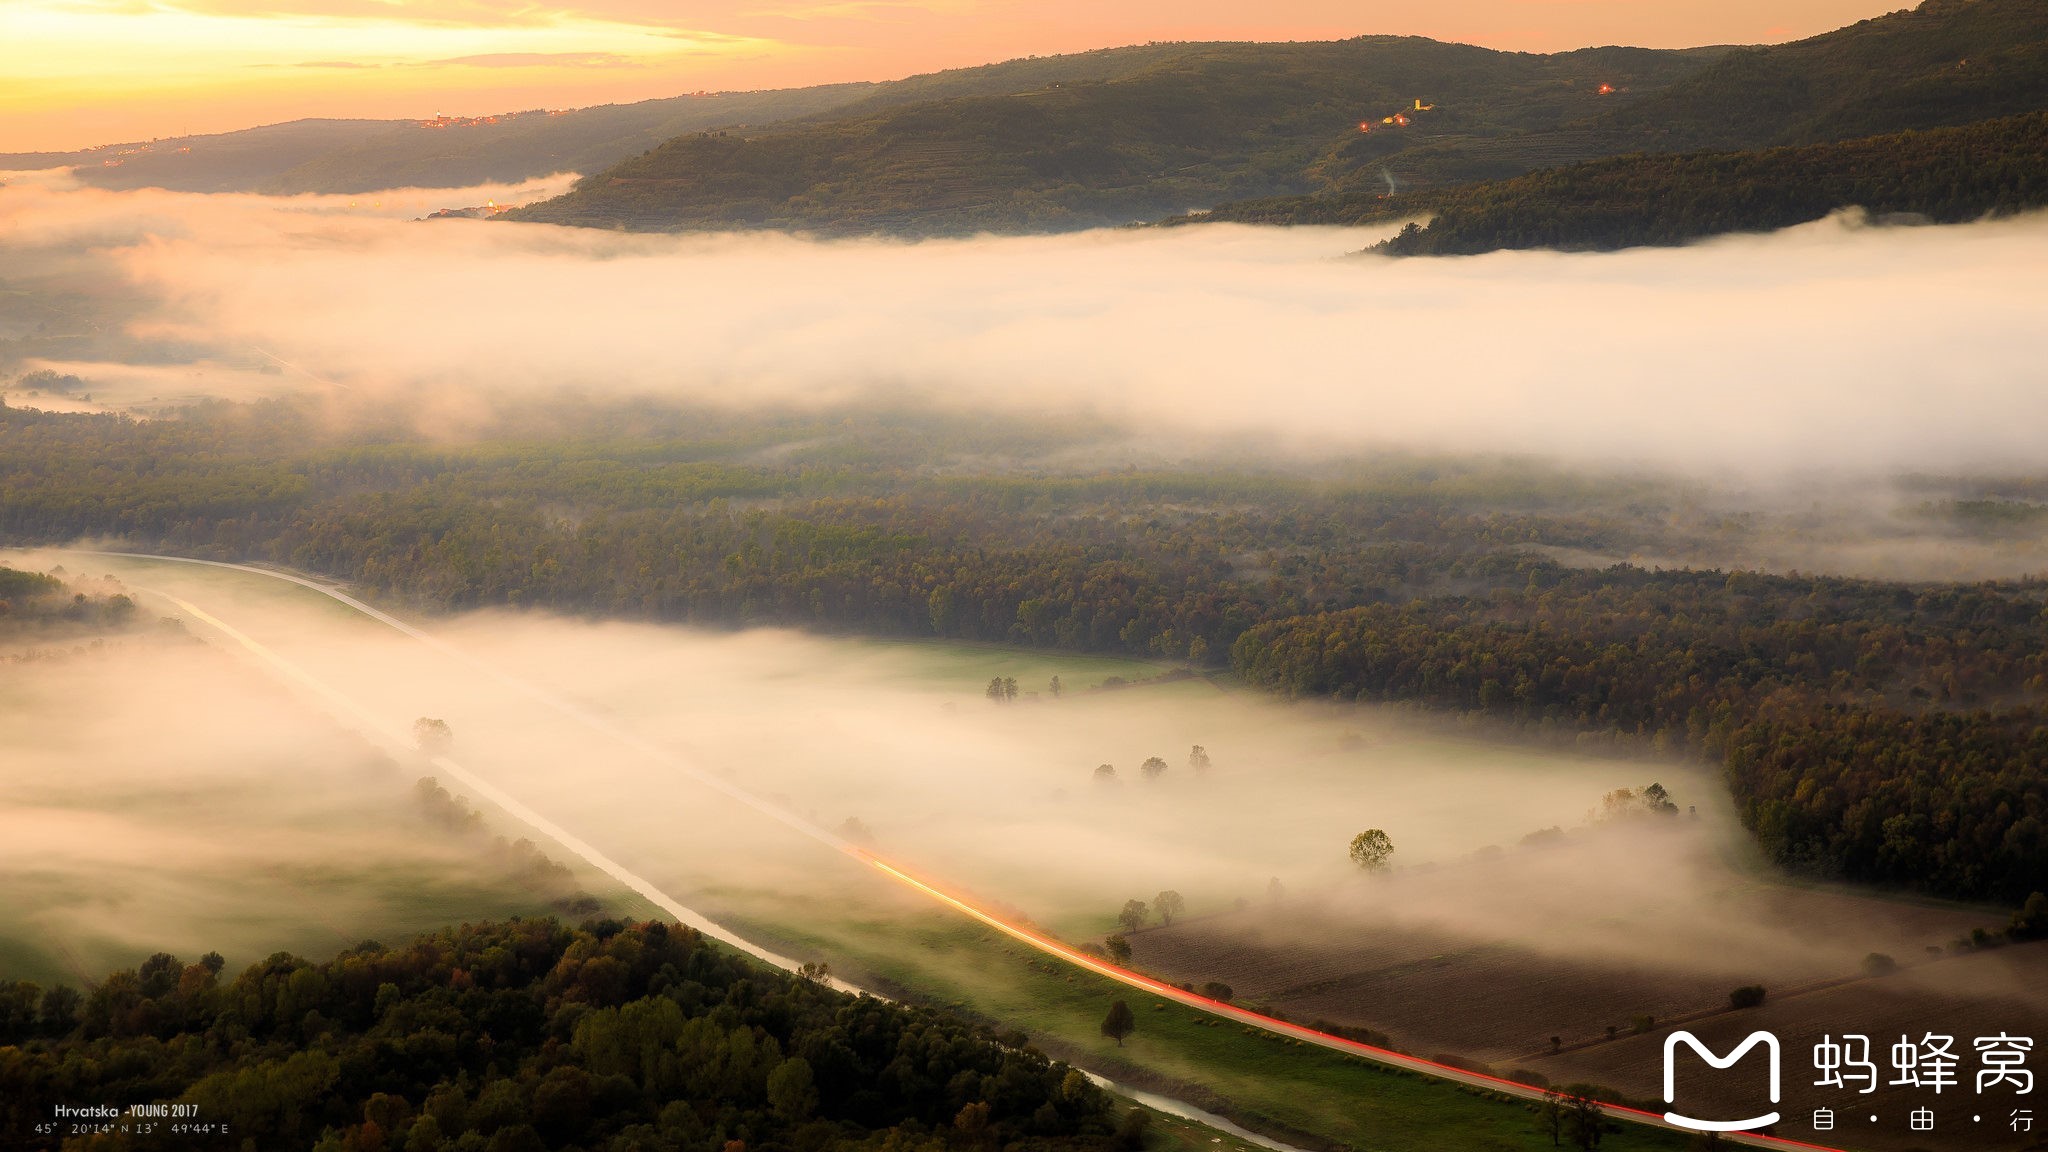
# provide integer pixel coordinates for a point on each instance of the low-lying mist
(897, 747)
(158, 796)
(1833, 346)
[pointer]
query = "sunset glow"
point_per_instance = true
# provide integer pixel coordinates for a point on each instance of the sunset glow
(85, 72)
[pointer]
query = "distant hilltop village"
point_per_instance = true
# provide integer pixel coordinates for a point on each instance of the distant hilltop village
(484, 211)
(440, 121)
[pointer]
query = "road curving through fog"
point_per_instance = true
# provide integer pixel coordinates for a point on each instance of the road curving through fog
(399, 741)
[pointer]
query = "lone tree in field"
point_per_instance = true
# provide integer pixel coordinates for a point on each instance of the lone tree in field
(1152, 767)
(1747, 996)
(1168, 904)
(1198, 759)
(433, 736)
(1133, 915)
(1105, 773)
(1371, 850)
(1119, 949)
(1056, 687)
(1119, 1023)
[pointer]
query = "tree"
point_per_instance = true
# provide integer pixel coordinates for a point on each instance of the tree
(1118, 948)
(1217, 990)
(1550, 1114)
(425, 1135)
(1120, 1022)
(57, 1013)
(1105, 773)
(1371, 849)
(1152, 767)
(1198, 758)
(433, 736)
(1747, 996)
(2031, 921)
(1275, 891)
(792, 1090)
(1168, 904)
(1009, 688)
(1133, 916)
(994, 691)
(1624, 803)
(1056, 688)
(1584, 1120)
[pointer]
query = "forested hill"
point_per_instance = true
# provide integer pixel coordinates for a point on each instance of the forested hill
(1206, 123)
(1944, 175)
(1140, 133)
(525, 1036)
(1944, 63)
(1217, 123)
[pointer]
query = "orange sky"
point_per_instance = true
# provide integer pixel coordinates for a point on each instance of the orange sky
(81, 72)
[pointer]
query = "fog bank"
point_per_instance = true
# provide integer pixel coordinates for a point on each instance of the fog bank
(1833, 345)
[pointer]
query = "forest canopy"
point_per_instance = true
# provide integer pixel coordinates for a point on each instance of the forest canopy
(527, 1035)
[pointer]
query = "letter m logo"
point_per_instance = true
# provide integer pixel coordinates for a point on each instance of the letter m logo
(1671, 1043)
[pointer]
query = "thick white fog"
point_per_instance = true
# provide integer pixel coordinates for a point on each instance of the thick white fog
(1833, 345)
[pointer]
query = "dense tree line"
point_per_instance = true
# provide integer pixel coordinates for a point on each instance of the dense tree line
(870, 531)
(1869, 730)
(528, 1035)
(35, 605)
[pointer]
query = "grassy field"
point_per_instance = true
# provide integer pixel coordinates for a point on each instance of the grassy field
(1289, 1089)
(954, 667)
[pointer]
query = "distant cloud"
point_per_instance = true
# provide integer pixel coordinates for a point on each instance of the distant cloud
(333, 64)
(540, 60)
